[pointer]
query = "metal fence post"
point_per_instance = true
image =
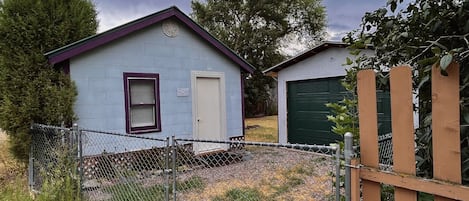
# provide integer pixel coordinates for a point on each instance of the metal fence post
(337, 172)
(174, 170)
(348, 152)
(166, 169)
(31, 167)
(76, 131)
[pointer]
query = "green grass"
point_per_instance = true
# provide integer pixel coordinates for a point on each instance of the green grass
(266, 132)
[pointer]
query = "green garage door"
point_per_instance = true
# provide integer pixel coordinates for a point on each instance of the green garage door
(306, 110)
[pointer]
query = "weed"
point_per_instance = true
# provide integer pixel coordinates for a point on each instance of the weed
(15, 190)
(304, 170)
(241, 194)
(60, 179)
(13, 182)
(192, 183)
(132, 191)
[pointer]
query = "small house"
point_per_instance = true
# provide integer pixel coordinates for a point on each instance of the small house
(158, 76)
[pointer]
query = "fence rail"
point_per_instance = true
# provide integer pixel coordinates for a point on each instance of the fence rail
(115, 166)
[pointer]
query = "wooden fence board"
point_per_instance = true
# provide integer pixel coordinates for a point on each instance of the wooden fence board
(368, 122)
(446, 189)
(355, 179)
(402, 128)
(445, 125)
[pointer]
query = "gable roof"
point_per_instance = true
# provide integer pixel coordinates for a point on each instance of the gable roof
(95, 41)
(272, 71)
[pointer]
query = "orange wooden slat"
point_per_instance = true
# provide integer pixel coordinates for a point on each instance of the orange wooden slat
(402, 128)
(445, 126)
(367, 114)
(447, 189)
(355, 180)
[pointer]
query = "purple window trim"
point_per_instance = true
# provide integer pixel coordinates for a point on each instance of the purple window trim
(144, 129)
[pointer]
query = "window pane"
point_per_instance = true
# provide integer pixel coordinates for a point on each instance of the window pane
(142, 91)
(142, 116)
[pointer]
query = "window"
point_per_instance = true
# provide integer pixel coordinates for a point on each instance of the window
(142, 105)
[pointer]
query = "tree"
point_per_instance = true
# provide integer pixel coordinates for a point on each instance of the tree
(31, 90)
(256, 30)
(423, 34)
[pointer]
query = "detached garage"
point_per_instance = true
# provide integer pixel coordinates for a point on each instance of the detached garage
(305, 84)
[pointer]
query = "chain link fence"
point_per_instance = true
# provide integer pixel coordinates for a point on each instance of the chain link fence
(114, 166)
(386, 163)
(53, 160)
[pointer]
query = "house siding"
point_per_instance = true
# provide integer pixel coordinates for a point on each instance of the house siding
(98, 75)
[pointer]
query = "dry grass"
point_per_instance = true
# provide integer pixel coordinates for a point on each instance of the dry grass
(13, 181)
(266, 132)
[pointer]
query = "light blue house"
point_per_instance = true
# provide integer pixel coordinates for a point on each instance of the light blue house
(157, 76)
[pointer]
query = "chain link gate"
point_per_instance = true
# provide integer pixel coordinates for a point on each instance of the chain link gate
(114, 166)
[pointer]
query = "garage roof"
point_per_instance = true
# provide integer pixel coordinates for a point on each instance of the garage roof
(89, 43)
(272, 71)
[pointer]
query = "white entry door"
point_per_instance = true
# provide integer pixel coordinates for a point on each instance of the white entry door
(209, 112)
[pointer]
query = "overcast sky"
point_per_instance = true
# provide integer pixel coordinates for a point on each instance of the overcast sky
(342, 15)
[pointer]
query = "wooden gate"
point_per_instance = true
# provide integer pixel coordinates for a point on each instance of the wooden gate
(446, 184)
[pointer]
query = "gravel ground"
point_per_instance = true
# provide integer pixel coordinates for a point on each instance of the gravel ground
(272, 173)
(277, 173)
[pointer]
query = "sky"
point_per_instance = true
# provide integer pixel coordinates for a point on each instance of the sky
(342, 15)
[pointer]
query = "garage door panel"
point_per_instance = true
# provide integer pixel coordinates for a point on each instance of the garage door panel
(307, 113)
(305, 87)
(314, 137)
(319, 124)
(311, 115)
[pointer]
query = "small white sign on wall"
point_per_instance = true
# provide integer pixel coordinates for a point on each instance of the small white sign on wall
(182, 91)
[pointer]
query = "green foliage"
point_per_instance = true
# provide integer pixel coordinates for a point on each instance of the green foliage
(256, 30)
(345, 117)
(345, 112)
(30, 89)
(423, 34)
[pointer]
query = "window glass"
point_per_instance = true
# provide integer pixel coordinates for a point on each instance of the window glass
(142, 91)
(142, 116)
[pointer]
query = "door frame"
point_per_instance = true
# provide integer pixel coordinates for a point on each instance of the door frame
(208, 74)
